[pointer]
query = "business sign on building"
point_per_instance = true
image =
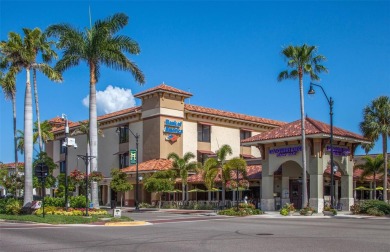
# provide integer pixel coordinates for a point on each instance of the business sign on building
(173, 129)
(285, 151)
(339, 151)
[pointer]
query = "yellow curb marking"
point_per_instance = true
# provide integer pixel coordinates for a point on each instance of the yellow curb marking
(127, 223)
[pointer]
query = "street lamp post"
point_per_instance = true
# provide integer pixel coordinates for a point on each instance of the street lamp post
(237, 186)
(86, 159)
(136, 136)
(66, 159)
(330, 101)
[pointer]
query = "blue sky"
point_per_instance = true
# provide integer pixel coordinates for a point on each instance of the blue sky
(227, 54)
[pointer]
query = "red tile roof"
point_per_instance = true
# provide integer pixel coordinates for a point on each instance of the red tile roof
(216, 112)
(294, 129)
(100, 118)
(150, 165)
(12, 165)
(163, 87)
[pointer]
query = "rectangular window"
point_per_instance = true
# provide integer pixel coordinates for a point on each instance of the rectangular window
(204, 133)
(244, 135)
(123, 135)
(202, 157)
(124, 160)
(62, 147)
(62, 166)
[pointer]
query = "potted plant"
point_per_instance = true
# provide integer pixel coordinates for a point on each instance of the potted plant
(307, 211)
(329, 211)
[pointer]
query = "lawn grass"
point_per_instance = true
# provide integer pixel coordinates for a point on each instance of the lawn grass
(60, 219)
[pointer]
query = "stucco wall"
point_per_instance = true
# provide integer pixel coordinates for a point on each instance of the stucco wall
(224, 135)
(190, 137)
(108, 145)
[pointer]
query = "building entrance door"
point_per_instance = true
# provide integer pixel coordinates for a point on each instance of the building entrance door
(296, 193)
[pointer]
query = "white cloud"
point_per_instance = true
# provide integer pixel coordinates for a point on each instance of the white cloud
(112, 99)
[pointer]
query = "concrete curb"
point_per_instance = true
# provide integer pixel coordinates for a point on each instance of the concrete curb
(127, 223)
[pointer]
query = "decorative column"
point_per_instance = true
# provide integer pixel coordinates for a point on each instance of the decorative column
(285, 190)
(267, 196)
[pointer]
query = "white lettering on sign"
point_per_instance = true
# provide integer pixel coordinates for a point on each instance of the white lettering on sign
(285, 151)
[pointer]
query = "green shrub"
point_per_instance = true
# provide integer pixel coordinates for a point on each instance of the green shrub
(77, 201)
(375, 212)
(6, 201)
(284, 211)
(377, 204)
(144, 205)
(13, 207)
(48, 210)
(54, 201)
(355, 209)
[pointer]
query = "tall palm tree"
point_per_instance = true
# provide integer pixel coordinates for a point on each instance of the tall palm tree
(210, 169)
(183, 166)
(376, 122)
(20, 54)
(96, 46)
(302, 60)
(40, 44)
(8, 84)
(372, 166)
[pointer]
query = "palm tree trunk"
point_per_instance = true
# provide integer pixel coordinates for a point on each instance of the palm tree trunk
(28, 141)
(304, 177)
(374, 185)
(37, 109)
(93, 131)
(223, 192)
(384, 143)
(183, 192)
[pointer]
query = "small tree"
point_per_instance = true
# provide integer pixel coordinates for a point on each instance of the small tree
(160, 182)
(50, 179)
(119, 182)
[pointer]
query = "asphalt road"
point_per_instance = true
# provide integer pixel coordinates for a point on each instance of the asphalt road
(183, 232)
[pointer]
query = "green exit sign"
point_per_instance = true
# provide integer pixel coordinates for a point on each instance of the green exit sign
(133, 156)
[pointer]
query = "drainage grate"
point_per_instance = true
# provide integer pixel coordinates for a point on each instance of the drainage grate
(264, 234)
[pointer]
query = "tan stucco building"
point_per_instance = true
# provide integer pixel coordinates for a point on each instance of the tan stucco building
(165, 123)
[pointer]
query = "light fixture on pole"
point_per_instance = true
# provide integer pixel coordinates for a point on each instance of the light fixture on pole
(134, 160)
(237, 186)
(86, 159)
(330, 102)
(69, 142)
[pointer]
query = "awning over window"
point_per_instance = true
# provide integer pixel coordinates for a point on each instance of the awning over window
(206, 152)
(204, 123)
(247, 156)
(120, 152)
(245, 129)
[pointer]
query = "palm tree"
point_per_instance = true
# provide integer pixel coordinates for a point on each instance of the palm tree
(215, 165)
(376, 122)
(8, 84)
(183, 166)
(302, 60)
(96, 46)
(20, 54)
(40, 44)
(46, 132)
(238, 165)
(83, 129)
(372, 166)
